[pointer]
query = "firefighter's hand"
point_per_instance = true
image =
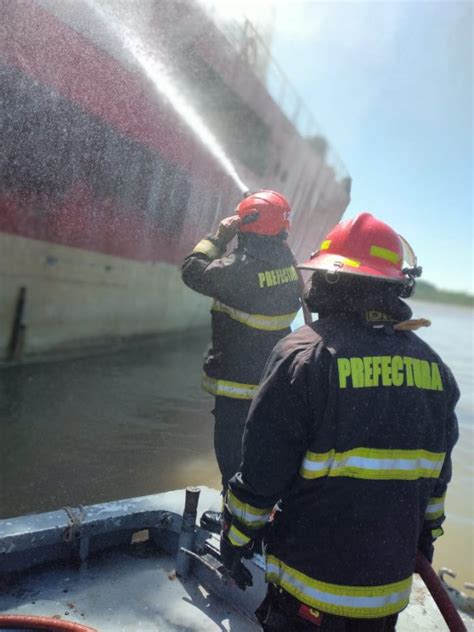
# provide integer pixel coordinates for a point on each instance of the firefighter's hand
(231, 558)
(228, 228)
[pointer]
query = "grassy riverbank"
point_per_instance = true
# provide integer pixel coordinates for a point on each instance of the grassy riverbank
(428, 292)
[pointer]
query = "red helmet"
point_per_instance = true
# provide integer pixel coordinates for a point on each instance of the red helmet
(363, 246)
(265, 213)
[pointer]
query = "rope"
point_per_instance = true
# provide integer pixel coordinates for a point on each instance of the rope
(73, 529)
(412, 325)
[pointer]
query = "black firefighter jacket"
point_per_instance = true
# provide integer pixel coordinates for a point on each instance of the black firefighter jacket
(256, 297)
(352, 428)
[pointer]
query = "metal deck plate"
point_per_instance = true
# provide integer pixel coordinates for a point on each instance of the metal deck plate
(134, 589)
(123, 592)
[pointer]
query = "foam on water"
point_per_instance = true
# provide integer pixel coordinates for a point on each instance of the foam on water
(156, 71)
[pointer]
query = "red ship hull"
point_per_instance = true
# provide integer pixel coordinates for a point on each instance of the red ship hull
(105, 187)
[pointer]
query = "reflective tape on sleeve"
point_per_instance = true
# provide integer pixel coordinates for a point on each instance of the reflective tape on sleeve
(316, 465)
(256, 321)
(207, 248)
(226, 388)
(236, 537)
(372, 463)
(252, 516)
(346, 601)
(435, 508)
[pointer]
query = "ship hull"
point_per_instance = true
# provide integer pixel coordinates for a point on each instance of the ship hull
(77, 298)
(106, 182)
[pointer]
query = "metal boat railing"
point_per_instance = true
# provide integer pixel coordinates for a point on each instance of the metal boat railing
(251, 47)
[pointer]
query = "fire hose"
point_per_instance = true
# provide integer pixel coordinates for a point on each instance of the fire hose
(27, 622)
(439, 594)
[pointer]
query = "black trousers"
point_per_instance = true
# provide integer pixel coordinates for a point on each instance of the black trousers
(230, 415)
(281, 612)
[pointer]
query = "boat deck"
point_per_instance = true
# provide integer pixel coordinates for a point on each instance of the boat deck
(133, 586)
(122, 592)
(125, 592)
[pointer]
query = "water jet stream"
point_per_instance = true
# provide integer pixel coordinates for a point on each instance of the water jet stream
(157, 73)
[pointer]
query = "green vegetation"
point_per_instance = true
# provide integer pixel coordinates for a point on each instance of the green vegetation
(425, 291)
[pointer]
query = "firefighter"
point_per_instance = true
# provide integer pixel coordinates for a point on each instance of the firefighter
(256, 296)
(347, 446)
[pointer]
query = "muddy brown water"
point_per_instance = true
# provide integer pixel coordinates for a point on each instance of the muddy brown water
(104, 427)
(134, 421)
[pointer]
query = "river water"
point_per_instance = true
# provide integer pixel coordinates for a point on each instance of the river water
(134, 421)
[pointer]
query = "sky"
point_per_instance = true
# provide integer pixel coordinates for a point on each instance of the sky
(391, 85)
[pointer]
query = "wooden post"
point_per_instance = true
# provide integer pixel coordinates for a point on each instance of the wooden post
(16, 344)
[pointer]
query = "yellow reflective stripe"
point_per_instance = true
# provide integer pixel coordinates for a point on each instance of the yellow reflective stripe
(325, 244)
(207, 248)
(320, 457)
(436, 533)
(435, 508)
(236, 390)
(236, 537)
(385, 253)
(350, 262)
(316, 465)
(257, 321)
(349, 601)
(373, 463)
(248, 514)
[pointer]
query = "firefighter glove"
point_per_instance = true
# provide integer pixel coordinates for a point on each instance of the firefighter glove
(227, 230)
(231, 558)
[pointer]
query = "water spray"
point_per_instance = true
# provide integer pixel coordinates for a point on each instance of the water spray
(155, 70)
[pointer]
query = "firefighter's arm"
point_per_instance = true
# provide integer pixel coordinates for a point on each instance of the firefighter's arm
(204, 270)
(291, 397)
(434, 515)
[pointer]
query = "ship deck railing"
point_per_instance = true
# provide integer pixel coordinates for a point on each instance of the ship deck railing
(252, 48)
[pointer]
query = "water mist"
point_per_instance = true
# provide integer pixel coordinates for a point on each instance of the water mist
(155, 70)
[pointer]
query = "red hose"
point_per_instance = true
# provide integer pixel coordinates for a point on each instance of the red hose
(22, 621)
(439, 594)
